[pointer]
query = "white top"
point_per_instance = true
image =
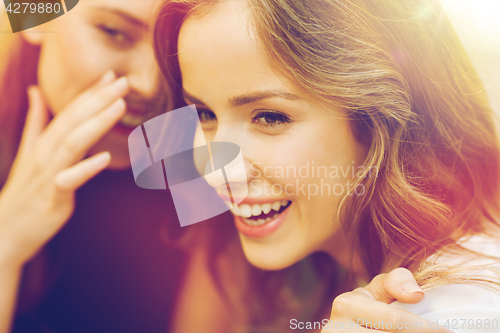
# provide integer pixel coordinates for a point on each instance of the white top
(463, 308)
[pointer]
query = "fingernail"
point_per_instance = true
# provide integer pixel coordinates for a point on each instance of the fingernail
(121, 84)
(108, 77)
(412, 288)
(102, 159)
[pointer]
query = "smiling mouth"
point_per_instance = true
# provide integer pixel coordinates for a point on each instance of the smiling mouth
(259, 214)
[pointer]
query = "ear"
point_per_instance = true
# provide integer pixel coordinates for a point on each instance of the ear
(33, 35)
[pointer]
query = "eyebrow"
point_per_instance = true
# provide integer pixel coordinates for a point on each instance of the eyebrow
(126, 16)
(250, 98)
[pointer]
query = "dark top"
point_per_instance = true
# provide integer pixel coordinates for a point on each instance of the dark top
(109, 269)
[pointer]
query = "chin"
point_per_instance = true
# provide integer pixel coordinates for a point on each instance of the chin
(269, 257)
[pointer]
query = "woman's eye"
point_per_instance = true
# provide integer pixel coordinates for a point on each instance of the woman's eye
(115, 34)
(206, 116)
(271, 119)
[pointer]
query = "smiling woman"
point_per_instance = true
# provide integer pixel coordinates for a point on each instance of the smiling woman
(71, 90)
(376, 84)
(103, 35)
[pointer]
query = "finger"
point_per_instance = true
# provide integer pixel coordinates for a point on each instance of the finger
(36, 119)
(76, 144)
(81, 111)
(399, 285)
(72, 178)
(373, 314)
(84, 107)
(346, 326)
(95, 99)
(106, 78)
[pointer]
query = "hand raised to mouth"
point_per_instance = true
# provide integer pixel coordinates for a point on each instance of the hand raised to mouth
(162, 160)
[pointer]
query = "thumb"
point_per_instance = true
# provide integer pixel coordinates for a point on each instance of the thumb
(399, 285)
(36, 119)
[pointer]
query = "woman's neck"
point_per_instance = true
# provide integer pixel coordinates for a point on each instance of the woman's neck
(342, 252)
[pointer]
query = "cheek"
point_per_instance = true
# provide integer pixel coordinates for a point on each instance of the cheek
(199, 138)
(317, 168)
(200, 159)
(71, 60)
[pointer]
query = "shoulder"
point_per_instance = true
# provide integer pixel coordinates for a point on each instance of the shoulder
(465, 308)
(462, 308)
(486, 244)
(455, 298)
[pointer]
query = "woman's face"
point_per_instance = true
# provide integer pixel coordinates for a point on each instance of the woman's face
(286, 136)
(98, 35)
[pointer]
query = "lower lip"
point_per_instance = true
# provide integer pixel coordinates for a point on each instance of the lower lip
(260, 230)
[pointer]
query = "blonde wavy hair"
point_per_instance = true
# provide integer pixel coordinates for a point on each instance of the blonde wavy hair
(399, 70)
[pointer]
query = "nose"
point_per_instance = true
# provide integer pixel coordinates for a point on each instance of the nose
(228, 165)
(143, 72)
(226, 171)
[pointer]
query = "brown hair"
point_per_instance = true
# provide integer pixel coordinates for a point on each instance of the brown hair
(401, 73)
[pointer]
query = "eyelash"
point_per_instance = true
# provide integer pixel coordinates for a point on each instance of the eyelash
(202, 114)
(115, 34)
(276, 118)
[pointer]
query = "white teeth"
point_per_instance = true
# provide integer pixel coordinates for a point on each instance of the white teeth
(246, 211)
(256, 210)
(266, 208)
(272, 217)
(259, 221)
(251, 222)
(236, 210)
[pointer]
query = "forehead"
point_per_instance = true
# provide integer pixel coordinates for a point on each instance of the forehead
(142, 9)
(224, 27)
(219, 47)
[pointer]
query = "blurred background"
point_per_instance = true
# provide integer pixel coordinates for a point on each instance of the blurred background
(478, 25)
